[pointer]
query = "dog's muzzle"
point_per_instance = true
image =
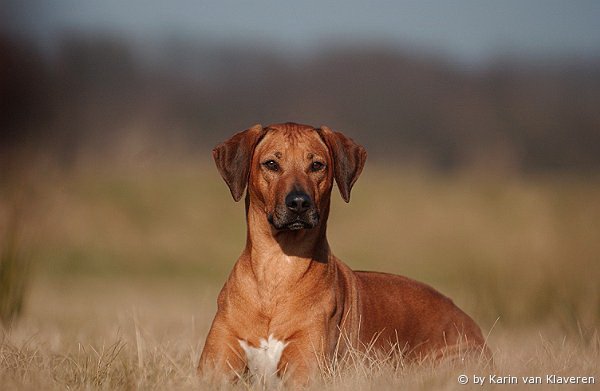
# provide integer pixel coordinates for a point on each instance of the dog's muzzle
(299, 212)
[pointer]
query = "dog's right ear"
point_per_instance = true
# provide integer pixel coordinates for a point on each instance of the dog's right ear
(233, 158)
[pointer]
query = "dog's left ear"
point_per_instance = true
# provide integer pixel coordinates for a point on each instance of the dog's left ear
(233, 158)
(348, 159)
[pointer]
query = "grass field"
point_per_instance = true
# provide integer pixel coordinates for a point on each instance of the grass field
(127, 262)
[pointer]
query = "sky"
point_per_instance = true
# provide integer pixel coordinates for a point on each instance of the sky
(464, 30)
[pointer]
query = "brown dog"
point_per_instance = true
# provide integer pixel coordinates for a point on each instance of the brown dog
(288, 297)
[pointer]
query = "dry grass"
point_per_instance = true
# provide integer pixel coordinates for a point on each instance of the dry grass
(129, 261)
(148, 335)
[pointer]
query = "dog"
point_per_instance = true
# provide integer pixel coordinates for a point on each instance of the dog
(288, 299)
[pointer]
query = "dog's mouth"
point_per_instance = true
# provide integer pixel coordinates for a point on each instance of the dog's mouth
(294, 222)
(298, 225)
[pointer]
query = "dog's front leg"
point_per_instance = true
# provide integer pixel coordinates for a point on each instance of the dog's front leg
(300, 360)
(222, 355)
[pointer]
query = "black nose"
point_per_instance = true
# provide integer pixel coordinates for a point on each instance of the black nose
(298, 201)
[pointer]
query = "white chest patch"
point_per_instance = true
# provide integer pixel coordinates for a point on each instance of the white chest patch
(263, 360)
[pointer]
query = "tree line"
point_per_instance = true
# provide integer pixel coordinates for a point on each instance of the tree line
(527, 114)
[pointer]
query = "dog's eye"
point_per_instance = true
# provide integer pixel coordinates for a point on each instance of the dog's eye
(317, 166)
(271, 165)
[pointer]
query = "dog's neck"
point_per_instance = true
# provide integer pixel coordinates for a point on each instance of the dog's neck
(285, 253)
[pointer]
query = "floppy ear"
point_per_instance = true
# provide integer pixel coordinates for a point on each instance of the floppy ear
(348, 159)
(233, 158)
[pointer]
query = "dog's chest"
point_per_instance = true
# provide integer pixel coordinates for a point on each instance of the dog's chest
(262, 361)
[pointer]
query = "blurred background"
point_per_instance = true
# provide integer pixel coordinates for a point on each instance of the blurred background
(481, 120)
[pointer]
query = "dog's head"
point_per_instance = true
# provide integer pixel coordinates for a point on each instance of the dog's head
(289, 170)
